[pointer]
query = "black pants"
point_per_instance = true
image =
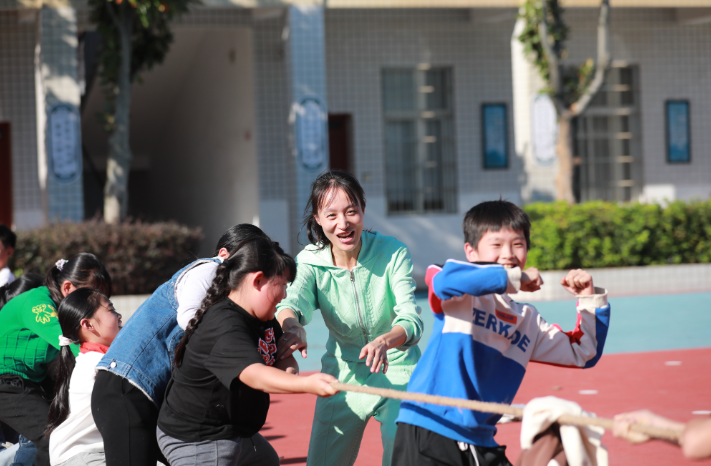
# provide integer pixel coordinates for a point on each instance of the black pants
(23, 407)
(417, 446)
(126, 419)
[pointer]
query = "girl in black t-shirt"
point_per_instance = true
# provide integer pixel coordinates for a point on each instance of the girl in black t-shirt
(225, 365)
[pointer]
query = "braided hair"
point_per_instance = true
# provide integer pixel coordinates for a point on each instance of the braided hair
(256, 254)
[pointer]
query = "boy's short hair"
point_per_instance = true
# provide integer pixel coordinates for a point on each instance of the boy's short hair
(493, 216)
(8, 237)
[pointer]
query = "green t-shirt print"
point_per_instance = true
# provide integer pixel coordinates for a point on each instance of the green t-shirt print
(29, 335)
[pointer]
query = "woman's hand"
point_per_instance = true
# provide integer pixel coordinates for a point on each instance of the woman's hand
(294, 337)
(376, 352)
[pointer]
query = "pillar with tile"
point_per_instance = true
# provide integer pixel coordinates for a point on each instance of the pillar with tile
(58, 117)
(306, 73)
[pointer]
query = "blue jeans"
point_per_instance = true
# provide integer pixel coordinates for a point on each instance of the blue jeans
(255, 451)
(22, 453)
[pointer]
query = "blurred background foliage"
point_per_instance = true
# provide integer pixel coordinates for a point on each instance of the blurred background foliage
(139, 256)
(602, 234)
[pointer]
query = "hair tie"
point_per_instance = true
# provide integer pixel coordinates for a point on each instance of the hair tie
(64, 341)
(60, 264)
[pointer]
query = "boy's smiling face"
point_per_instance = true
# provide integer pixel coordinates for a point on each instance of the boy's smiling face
(506, 247)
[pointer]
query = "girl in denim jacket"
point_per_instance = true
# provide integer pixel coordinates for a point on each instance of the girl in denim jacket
(135, 371)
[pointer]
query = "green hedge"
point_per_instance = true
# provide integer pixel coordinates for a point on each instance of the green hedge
(139, 256)
(601, 234)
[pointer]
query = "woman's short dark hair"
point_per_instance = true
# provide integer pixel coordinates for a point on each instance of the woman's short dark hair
(323, 191)
(493, 216)
(84, 270)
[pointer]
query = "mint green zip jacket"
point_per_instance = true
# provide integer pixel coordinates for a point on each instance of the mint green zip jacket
(362, 304)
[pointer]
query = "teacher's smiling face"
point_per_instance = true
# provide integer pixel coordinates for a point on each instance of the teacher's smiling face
(341, 220)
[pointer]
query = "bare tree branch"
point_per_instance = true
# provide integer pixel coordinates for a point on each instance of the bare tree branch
(603, 60)
(554, 78)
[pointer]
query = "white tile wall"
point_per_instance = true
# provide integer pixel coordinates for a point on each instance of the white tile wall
(674, 63)
(359, 43)
(17, 105)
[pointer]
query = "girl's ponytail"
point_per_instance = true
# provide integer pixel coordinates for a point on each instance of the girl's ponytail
(84, 270)
(79, 305)
(256, 254)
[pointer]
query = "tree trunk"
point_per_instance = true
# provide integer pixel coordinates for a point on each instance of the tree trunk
(119, 161)
(564, 148)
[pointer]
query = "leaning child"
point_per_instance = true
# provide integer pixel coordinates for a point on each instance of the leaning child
(225, 365)
(483, 340)
(87, 318)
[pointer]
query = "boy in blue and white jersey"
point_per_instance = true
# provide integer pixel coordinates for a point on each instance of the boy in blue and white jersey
(483, 340)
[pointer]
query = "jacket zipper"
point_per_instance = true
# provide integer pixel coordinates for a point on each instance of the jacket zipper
(360, 317)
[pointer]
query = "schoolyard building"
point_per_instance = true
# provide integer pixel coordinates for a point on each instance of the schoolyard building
(431, 104)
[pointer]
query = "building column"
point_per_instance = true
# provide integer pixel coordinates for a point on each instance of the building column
(58, 118)
(306, 83)
(532, 141)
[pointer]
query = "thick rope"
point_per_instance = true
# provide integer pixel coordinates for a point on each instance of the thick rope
(497, 408)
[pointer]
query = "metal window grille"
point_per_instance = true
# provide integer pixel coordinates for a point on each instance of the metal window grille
(420, 162)
(607, 141)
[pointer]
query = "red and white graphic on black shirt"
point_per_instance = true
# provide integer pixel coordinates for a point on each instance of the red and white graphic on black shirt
(267, 347)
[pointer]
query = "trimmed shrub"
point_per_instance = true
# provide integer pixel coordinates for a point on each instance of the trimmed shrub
(602, 234)
(139, 256)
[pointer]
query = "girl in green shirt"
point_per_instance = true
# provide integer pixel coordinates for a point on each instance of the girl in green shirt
(29, 341)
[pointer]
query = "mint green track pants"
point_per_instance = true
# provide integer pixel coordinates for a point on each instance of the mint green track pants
(339, 421)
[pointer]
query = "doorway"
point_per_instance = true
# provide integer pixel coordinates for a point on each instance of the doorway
(339, 141)
(5, 175)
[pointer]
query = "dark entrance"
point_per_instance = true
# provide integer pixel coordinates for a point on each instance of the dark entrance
(5, 175)
(339, 141)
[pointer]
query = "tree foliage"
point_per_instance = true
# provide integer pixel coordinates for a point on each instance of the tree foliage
(150, 37)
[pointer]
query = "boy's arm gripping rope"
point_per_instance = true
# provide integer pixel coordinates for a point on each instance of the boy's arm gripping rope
(497, 408)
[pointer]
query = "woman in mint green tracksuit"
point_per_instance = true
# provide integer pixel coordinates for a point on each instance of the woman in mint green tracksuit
(361, 281)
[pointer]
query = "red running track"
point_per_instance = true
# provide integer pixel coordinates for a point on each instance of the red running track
(624, 382)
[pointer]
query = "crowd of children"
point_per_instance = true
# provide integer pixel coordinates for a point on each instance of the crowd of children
(187, 380)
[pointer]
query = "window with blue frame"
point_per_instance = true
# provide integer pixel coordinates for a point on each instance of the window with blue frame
(495, 136)
(678, 131)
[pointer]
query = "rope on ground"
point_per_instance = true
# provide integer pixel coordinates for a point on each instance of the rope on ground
(497, 408)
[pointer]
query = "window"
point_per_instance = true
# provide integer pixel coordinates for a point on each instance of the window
(678, 132)
(494, 136)
(420, 164)
(607, 141)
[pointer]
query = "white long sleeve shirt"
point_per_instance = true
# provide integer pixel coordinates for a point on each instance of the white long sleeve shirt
(78, 433)
(191, 289)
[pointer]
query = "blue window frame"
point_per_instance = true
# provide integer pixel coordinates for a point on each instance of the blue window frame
(678, 131)
(495, 135)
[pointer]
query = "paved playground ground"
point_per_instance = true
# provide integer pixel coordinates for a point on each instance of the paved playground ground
(657, 355)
